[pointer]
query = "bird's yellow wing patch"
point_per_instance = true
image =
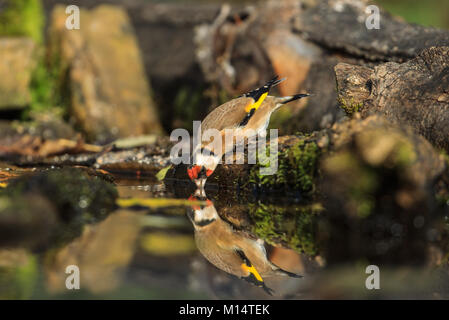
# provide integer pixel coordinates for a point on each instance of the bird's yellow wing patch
(252, 271)
(256, 104)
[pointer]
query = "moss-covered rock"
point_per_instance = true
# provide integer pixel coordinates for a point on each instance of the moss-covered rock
(352, 89)
(297, 169)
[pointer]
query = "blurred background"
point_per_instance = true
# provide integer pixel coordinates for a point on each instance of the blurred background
(433, 13)
(163, 88)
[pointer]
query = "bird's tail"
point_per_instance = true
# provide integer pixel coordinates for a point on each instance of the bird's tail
(274, 82)
(257, 93)
(287, 99)
(287, 273)
(282, 272)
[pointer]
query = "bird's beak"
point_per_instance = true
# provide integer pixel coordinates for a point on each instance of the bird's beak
(198, 172)
(193, 172)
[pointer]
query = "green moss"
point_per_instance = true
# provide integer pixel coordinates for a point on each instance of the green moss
(429, 13)
(223, 96)
(404, 154)
(293, 227)
(362, 192)
(445, 156)
(187, 104)
(350, 107)
(22, 18)
(359, 181)
(47, 85)
(442, 198)
(442, 188)
(297, 169)
(280, 119)
(20, 281)
(26, 18)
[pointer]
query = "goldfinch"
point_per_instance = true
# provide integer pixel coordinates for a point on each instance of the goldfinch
(247, 115)
(230, 250)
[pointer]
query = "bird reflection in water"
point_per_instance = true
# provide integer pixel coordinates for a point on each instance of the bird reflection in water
(233, 251)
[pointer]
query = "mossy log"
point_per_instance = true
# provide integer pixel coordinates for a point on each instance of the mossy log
(413, 93)
(300, 157)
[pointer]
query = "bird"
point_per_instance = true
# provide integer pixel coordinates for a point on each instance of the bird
(248, 115)
(230, 250)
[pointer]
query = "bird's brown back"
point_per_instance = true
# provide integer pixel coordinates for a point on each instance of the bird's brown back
(217, 243)
(227, 115)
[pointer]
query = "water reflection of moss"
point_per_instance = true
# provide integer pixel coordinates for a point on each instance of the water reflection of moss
(293, 226)
(361, 181)
(18, 282)
(297, 169)
(442, 188)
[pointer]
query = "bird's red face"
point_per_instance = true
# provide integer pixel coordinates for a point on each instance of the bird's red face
(198, 172)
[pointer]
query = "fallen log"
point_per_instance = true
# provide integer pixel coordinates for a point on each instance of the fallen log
(339, 25)
(414, 93)
(380, 142)
(363, 189)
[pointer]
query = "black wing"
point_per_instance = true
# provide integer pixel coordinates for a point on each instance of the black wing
(257, 93)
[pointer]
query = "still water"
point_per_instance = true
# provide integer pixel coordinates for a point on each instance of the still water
(162, 241)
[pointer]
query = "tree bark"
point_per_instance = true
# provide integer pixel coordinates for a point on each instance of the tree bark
(377, 141)
(414, 93)
(340, 26)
